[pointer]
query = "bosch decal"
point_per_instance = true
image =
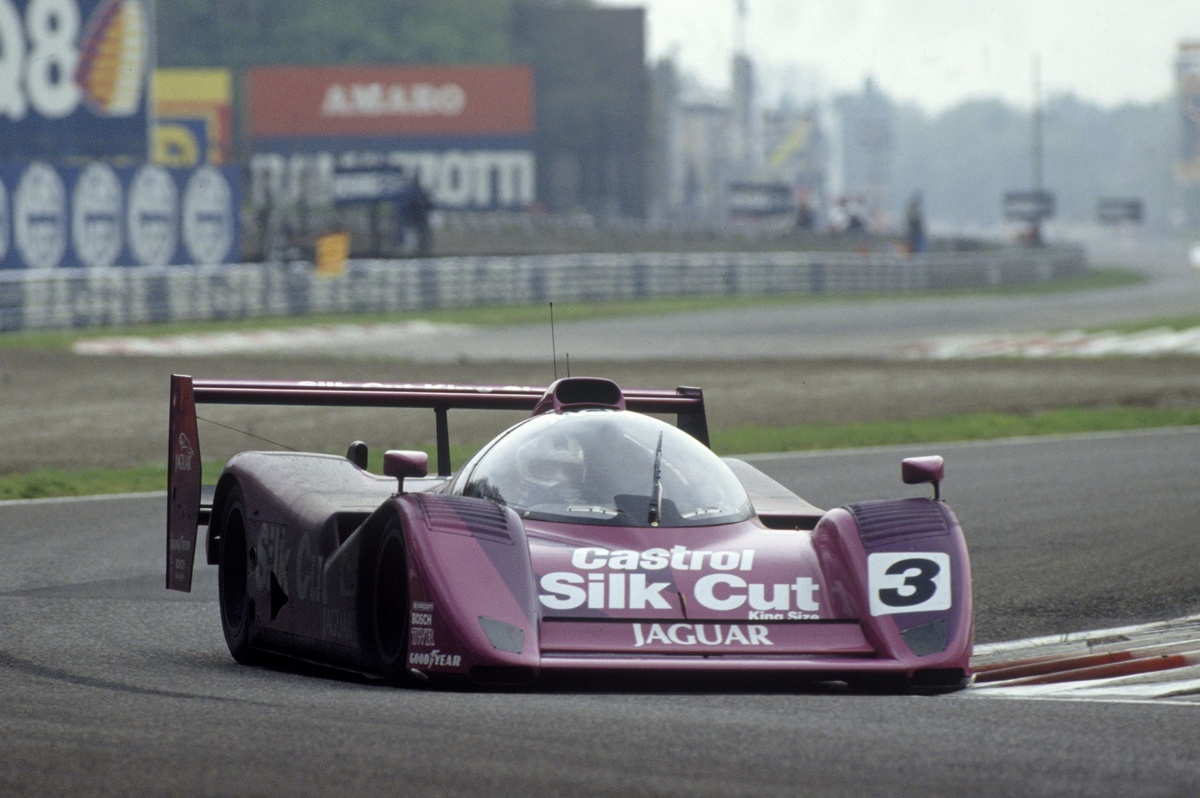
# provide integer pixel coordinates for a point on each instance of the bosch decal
(421, 630)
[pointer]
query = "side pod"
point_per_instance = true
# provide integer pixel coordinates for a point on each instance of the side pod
(183, 485)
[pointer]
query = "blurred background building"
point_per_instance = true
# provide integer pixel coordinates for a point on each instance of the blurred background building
(152, 134)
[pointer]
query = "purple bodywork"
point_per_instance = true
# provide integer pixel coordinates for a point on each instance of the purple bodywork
(671, 560)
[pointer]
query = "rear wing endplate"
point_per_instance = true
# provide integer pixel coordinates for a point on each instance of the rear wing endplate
(183, 485)
(186, 510)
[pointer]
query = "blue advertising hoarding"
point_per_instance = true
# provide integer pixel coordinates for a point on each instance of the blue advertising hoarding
(74, 78)
(97, 215)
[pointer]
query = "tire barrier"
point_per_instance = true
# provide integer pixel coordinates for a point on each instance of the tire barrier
(52, 299)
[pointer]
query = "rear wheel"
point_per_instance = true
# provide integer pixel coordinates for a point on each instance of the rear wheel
(233, 579)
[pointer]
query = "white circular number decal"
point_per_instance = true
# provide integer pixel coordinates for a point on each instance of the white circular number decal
(40, 216)
(909, 582)
(96, 221)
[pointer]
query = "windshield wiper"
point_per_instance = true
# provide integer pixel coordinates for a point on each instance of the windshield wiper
(655, 514)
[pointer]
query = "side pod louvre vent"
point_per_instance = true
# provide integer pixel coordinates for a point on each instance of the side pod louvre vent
(462, 516)
(896, 520)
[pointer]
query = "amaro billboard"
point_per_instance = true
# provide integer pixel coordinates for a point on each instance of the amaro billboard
(465, 131)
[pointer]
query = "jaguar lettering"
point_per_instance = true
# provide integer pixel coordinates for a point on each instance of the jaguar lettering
(700, 634)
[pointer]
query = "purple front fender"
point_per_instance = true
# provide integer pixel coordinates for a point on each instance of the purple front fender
(471, 588)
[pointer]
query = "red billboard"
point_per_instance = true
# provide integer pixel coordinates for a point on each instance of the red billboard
(390, 101)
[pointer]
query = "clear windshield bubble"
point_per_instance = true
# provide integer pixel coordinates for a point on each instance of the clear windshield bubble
(598, 466)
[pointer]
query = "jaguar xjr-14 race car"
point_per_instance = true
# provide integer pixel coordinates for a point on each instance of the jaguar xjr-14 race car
(591, 537)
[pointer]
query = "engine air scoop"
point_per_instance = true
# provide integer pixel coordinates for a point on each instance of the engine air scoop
(578, 393)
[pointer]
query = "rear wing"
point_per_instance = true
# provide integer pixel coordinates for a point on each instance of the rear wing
(186, 510)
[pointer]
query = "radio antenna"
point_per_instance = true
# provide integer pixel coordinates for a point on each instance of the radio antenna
(553, 345)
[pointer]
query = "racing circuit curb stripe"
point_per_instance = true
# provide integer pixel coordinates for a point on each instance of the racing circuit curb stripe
(1121, 663)
(1027, 670)
(1151, 662)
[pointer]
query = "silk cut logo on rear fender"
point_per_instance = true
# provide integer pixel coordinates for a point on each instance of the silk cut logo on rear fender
(909, 581)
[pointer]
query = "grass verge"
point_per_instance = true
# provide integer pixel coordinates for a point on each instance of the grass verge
(48, 483)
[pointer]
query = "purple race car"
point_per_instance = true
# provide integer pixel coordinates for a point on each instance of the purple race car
(592, 536)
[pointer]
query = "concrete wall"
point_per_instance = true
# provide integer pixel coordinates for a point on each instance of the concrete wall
(77, 298)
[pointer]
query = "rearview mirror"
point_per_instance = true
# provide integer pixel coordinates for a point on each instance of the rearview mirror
(401, 464)
(918, 470)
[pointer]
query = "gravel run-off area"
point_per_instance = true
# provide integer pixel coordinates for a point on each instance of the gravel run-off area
(76, 411)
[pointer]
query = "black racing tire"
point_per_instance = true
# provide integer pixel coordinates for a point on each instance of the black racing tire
(384, 603)
(233, 579)
(925, 682)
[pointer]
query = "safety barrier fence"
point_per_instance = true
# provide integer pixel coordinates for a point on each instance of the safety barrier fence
(79, 298)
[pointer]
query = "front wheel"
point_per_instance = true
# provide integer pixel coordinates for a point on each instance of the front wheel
(233, 579)
(384, 603)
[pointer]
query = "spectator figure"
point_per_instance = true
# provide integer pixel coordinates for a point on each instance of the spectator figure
(417, 207)
(806, 217)
(916, 224)
(838, 218)
(856, 215)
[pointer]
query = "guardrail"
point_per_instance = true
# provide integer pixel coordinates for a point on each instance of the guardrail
(78, 298)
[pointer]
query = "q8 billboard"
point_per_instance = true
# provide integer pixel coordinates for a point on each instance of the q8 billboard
(73, 78)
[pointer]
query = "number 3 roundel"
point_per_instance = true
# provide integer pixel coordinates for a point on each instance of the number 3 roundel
(909, 582)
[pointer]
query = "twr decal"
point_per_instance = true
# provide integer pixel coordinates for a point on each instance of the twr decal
(184, 454)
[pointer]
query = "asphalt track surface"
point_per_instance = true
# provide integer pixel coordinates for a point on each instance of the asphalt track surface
(112, 686)
(109, 685)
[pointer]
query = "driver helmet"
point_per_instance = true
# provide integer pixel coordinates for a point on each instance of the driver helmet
(554, 459)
